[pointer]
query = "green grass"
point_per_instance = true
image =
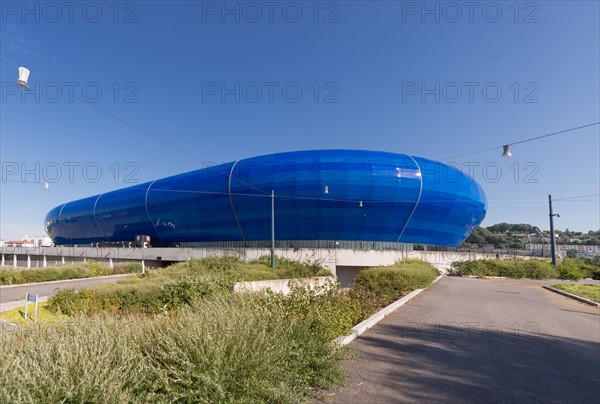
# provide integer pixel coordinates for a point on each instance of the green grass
(180, 285)
(17, 315)
(72, 271)
(588, 291)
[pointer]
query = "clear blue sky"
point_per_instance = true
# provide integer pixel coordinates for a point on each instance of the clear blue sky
(374, 58)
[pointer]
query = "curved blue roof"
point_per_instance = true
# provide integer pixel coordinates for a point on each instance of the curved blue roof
(319, 195)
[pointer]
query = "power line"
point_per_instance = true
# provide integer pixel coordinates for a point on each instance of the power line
(576, 197)
(523, 141)
(128, 124)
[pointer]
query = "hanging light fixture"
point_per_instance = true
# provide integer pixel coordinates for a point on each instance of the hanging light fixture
(506, 151)
(326, 190)
(23, 77)
(360, 204)
(46, 186)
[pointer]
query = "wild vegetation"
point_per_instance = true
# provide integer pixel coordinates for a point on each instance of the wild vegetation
(72, 271)
(389, 283)
(200, 343)
(569, 268)
(180, 285)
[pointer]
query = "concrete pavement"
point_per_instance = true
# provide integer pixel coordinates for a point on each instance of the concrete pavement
(474, 341)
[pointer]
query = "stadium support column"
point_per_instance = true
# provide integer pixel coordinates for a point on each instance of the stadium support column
(272, 228)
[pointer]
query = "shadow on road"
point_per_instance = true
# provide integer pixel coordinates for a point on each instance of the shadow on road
(467, 363)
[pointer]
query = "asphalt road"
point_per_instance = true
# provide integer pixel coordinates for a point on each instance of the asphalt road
(17, 292)
(478, 341)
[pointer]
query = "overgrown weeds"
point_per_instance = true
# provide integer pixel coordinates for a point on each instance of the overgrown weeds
(569, 268)
(179, 334)
(72, 271)
(390, 283)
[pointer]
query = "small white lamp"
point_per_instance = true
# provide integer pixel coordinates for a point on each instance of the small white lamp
(23, 77)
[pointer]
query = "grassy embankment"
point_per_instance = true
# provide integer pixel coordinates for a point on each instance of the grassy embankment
(180, 334)
(588, 291)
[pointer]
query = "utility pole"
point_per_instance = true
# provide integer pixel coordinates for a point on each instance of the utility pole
(552, 236)
(272, 228)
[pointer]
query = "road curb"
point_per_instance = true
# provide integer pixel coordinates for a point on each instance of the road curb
(572, 296)
(2, 287)
(363, 326)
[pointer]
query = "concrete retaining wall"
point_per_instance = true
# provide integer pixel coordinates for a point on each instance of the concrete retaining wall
(282, 285)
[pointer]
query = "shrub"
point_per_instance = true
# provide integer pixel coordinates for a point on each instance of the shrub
(175, 287)
(187, 290)
(233, 348)
(569, 268)
(288, 268)
(511, 268)
(391, 283)
(72, 271)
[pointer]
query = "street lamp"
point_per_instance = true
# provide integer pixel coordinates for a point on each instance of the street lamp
(23, 77)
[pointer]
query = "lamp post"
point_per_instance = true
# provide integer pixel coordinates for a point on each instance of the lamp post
(553, 237)
(272, 228)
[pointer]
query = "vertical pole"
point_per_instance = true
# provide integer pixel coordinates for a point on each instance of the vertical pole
(36, 309)
(28, 261)
(272, 228)
(26, 304)
(552, 237)
(14, 260)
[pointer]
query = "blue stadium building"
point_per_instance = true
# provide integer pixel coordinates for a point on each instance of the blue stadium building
(318, 195)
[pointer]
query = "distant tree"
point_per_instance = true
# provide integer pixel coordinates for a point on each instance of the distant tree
(517, 245)
(478, 236)
(521, 228)
(499, 228)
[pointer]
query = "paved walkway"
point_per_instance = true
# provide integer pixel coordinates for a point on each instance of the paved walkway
(479, 341)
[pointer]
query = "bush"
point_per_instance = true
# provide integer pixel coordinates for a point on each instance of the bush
(511, 268)
(569, 268)
(187, 290)
(57, 273)
(293, 269)
(391, 283)
(234, 348)
(175, 287)
(122, 301)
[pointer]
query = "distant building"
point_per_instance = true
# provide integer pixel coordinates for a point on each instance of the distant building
(29, 241)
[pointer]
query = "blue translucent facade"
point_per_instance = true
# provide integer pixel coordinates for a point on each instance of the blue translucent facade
(319, 195)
